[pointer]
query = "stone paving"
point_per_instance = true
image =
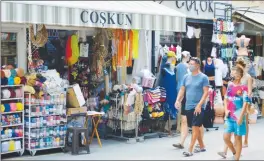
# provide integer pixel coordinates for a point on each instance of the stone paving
(161, 149)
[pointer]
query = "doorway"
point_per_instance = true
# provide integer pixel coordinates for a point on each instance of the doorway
(189, 45)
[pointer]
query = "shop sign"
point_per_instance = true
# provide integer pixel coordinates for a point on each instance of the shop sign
(197, 6)
(106, 18)
(197, 9)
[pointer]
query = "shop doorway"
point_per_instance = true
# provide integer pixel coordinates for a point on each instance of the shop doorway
(189, 45)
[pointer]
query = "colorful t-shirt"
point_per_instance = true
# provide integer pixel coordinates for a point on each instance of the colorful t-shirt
(236, 95)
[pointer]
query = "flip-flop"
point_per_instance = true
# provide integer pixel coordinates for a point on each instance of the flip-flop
(187, 154)
(178, 146)
(245, 146)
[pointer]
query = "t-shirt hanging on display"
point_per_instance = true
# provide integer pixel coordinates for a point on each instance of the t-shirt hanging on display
(84, 50)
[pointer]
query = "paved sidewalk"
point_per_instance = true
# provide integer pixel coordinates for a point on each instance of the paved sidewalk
(161, 148)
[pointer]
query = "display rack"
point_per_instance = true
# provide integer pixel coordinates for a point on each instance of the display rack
(119, 125)
(45, 122)
(12, 123)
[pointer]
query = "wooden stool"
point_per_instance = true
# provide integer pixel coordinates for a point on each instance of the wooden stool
(75, 147)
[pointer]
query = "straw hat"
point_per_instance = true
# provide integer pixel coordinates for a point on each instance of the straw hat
(20, 72)
(41, 38)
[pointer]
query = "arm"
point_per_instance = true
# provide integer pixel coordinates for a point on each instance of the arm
(250, 83)
(244, 108)
(225, 105)
(205, 92)
(204, 97)
(180, 94)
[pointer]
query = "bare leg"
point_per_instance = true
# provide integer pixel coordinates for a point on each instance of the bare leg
(202, 131)
(238, 146)
(184, 129)
(246, 137)
(228, 142)
(200, 138)
(179, 122)
(195, 135)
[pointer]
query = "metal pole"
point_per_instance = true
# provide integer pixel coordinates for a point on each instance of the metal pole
(0, 80)
(153, 52)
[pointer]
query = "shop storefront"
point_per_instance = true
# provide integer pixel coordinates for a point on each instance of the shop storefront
(199, 27)
(91, 43)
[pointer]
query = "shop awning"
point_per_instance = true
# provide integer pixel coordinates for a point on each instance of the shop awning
(251, 17)
(145, 15)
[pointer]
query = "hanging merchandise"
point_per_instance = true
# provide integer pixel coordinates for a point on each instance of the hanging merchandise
(41, 37)
(242, 43)
(197, 33)
(223, 38)
(190, 32)
(74, 50)
(84, 49)
(135, 43)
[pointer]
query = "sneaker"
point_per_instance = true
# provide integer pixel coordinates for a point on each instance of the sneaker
(179, 146)
(222, 154)
(187, 154)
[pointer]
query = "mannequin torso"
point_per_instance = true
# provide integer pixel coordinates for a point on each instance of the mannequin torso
(242, 43)
(209, 70)
(170, 84)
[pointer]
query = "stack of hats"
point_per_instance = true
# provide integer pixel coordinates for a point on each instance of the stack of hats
(35, 84)
(11, 76)
(7, 93)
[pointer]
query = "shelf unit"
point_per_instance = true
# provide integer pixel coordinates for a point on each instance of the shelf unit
(9, 48)
(45, 122)
(19, 125)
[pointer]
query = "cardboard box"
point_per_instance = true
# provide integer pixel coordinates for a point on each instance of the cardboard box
(71, 111)
(75, 97)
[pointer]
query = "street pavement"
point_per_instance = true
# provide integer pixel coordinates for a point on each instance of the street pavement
(161, 148)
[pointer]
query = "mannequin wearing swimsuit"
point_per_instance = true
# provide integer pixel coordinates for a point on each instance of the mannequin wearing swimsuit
(242, 43)
(169, 83)
(209, 70)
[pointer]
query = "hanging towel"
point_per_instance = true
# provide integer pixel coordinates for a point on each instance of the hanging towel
(135, 43)
(75, 49)
(130, 38)
(126, 45)
(68, 53)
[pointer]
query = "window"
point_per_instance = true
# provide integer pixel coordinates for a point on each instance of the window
(9, 49)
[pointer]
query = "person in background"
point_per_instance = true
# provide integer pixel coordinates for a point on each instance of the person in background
(181, 70)
(236, 101)
(247, 81)
(196, 86)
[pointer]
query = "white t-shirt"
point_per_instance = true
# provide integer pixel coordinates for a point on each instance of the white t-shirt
(219, 65)
(190, 32)
(178, 54)
(84, 50)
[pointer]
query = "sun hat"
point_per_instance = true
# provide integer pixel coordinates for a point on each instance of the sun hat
(7, 73)
(5, 93)
(20, 72)
(2, 74)
(11, 81)
(17, 80)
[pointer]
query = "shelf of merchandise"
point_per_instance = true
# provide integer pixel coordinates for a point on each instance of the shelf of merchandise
(21, 113)
(29, 128)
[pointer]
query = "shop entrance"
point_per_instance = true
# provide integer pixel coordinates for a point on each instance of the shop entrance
(189, 45)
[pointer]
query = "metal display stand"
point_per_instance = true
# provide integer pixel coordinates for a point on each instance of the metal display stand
(21, 124)
(118, 122)
(45, 128)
